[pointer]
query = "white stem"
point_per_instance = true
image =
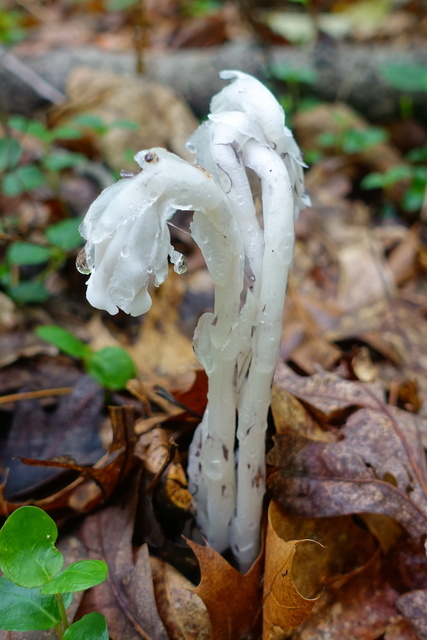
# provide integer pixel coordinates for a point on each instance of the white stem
(255, 395)
(211, 456)
(232, 175)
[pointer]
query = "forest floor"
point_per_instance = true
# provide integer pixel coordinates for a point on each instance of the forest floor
(97, 411)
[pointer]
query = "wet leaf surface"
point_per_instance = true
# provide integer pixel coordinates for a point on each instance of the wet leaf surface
(376, 464)
(233, 600)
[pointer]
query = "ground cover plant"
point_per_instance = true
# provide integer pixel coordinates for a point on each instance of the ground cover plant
(35, 592)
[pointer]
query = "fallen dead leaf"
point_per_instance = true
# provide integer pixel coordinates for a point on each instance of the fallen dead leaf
(127, 598)
(363, 610)
(346, 548)
(181, 609)
(283, 605)
(233, 600)
(162, 117)
(377, 464)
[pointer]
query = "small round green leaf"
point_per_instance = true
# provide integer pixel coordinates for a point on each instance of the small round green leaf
(10, 153)
(78, 577)
(91, 626)
(65, 234)
(23, 178)
(24, 253)
(29, 292)
(406, 77)
(64, 340)
(28, 555)
(26, 609)
(59, 160)
(111, 367)
(372, 181)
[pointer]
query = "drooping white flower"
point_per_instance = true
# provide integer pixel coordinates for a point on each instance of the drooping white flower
(248, 95)
(128, 239)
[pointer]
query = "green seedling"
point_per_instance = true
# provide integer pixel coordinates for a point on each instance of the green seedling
(415, 177)
(34, 590)
(112, 366)
(408, 79)
(296, 79)
(55, 245)
(413, 174)
(351, 141)
(21, 175)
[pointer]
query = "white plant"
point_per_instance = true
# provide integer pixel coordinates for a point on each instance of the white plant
(127, 250)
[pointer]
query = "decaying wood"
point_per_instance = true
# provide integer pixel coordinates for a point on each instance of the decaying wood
(346, 72)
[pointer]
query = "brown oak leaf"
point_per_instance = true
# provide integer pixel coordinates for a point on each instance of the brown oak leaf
(284, 607)
(376, 464)
(233, 600)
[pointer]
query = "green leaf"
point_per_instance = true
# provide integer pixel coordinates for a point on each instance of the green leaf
(66, 599)
(406, 77)
(111, 367)
(119, 5)
(20, 123)
(294, 75)
(59, 160)
(24, 178)
(395, 174)
(24, 609)
(65, 234)
(64, 340)
(66, 132)
(29, 292)
(418, 155)
(372, 181)
(38, 130)
(10, 153)
(23, 253)
(413, 198)
(28, 555)
(129, 125)
(327, 139)
(78, 577)
(91, 121)
(91, 626)
(355, 140)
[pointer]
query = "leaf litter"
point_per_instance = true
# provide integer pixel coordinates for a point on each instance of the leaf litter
(346, 512)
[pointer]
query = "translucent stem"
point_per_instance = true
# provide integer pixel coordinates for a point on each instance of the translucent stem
(255, 395)
(211, 457)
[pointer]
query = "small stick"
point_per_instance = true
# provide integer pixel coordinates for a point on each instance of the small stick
(42, 393)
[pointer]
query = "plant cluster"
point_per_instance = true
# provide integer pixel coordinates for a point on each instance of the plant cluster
(127, 248)
(111, 366)
(34, 590)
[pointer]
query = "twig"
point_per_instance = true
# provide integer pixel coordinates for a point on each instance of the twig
(31, 78)
(42, 393)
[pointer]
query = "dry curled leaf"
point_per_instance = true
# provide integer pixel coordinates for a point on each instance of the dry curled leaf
(127, 596)
(233, 600)
(376, 465)
(182, 611)
(284, 607)
(363, 610)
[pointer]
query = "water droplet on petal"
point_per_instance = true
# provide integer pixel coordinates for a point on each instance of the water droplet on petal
(181, 265)
(127, 174)
(81, 262)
